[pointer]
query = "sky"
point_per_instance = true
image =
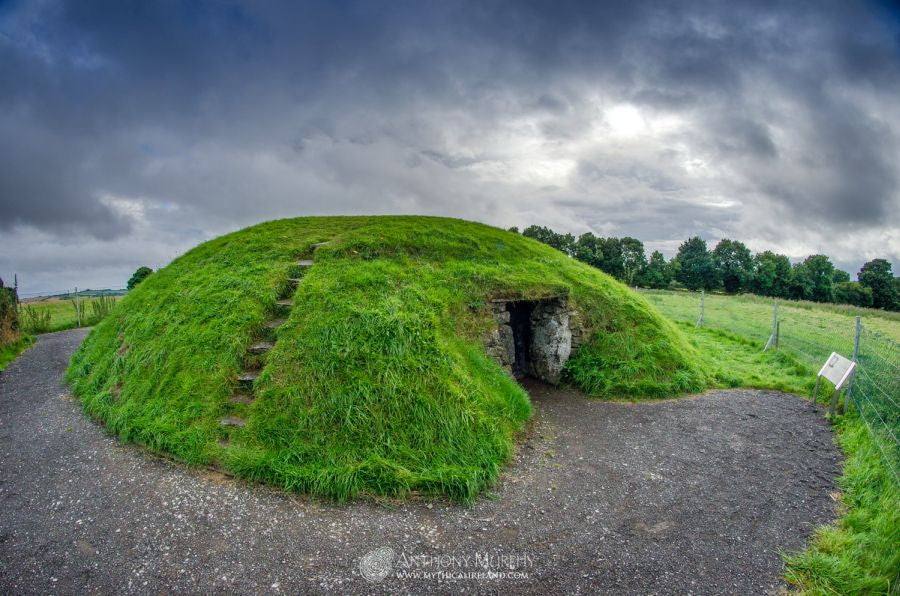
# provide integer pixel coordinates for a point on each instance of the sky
(132, 131)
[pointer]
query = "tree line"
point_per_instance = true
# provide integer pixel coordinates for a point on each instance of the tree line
(729, 266)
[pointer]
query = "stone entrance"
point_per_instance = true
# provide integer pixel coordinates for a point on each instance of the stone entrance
(534, 337)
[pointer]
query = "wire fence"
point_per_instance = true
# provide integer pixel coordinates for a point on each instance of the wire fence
(810, 336)
(83, 308)
(876, 392)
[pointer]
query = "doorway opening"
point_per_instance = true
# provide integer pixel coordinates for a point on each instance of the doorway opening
(533, 338)
(520, 324)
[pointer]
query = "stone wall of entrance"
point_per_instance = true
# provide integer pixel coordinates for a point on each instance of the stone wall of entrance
(534, 337)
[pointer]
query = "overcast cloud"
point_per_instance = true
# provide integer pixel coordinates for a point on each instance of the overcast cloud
(130, 132)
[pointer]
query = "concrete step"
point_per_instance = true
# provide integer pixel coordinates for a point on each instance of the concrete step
(232, 421)
(260, 347)
(305, 263)
(285, 302)
(275, 323)
(242, 398)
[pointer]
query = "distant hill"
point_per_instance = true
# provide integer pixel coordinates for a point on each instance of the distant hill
(81, 294)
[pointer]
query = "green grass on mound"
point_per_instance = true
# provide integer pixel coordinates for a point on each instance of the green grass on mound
(378, 383)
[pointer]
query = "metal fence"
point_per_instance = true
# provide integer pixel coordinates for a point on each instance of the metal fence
(875, 391)
(66, 311)
(810, 337)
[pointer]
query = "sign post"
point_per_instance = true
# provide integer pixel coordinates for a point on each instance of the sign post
(838, 370)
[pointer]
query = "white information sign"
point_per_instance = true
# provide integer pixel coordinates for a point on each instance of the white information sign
(837, 369)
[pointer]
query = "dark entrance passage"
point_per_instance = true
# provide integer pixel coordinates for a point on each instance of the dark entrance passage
(520, 323)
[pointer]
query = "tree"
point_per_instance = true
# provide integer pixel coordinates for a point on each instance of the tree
(801, 283)
(840, 276)
(587, 250)
(852, 292)
(563, 242)
(613, 261)
(822, 271)
(634, 260)
(771, 275)
(734, 264)
(696, 267)
(140, 275)
(877, 275)
(812, 279)
(657, 274)
(514, 230)
(674, 267)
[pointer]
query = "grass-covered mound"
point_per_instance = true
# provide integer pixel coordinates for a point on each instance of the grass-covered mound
(378, 382)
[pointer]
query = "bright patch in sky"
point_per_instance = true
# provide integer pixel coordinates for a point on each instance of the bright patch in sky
(625, 120)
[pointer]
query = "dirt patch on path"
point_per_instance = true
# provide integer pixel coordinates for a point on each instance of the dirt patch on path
(693, 495)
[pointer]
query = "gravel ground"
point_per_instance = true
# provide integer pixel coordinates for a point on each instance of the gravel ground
(692, 495)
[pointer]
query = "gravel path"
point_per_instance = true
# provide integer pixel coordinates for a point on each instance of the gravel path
(691, 495)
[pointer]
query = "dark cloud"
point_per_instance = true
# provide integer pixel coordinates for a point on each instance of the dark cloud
(120, 120)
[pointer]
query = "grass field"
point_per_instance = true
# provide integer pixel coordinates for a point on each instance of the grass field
(809, 330)
(62, 313)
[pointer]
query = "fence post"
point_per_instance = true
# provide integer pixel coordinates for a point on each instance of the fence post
(773, 337)
(700, 320)
(777, 333)
(77, 307)
(848, 397)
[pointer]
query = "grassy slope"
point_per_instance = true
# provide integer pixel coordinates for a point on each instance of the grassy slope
(378, 383)
(9, 352)
(735, 361)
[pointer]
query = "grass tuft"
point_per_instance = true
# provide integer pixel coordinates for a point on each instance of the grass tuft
(8, 352)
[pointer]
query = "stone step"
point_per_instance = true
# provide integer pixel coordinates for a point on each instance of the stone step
(275, 323)
(286, 302)
(295, 281)
(260, 347)
(232, 421)
(305, 263)
(247, 377)
(318, 244)
(242, 398)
